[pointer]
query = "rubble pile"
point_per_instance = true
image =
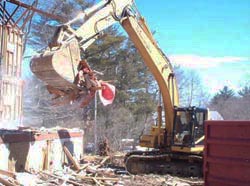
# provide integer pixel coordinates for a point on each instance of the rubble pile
(91, 170)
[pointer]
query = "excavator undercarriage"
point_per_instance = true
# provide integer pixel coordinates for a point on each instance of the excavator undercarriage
(183, 157)
(164, 162)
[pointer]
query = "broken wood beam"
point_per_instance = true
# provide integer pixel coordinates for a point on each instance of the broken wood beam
(60, 178)
(6, 182)
(96, 181)
(102, 162)
(7, 173)
(71, 158)
(29, 7)
(83, 167)
(97, 178)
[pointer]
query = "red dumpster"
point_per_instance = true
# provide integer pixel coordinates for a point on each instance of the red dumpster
(227, 153)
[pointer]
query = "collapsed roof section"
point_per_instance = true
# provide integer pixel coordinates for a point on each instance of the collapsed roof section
(18, 14)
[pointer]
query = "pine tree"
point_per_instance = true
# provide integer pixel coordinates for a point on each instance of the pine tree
(223, 95)
(43, 28)
(244, 92)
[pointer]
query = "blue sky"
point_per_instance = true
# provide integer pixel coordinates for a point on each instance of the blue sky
(210, 36)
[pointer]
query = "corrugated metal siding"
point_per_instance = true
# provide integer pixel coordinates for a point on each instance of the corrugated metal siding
(11, 84)
(227, 153)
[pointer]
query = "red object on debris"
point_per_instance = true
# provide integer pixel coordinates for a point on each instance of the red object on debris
(107, 94)
(227, 153)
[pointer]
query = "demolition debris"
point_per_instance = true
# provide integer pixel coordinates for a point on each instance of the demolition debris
(91, 170)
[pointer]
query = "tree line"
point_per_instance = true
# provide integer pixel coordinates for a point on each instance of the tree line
(232, 105)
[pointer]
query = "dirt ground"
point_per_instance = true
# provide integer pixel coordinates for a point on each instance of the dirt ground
(164, 180)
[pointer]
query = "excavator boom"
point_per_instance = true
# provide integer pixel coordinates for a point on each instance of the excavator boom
(158, 64)
(57, 66)
(60, 66)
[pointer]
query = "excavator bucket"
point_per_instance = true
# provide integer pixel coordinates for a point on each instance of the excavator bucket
(58, 69)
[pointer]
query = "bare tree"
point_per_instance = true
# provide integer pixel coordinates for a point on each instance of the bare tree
(191, 89)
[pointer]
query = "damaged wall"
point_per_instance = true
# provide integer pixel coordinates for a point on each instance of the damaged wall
(11, 84)
(38, 150)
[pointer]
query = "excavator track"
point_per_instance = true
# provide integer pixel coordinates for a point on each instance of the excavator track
(164, 163)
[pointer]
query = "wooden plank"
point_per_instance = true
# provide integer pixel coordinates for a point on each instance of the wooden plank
(60, 178)
(102, 162)
(7, 173)
(5, 182)
(71, 158)
(98, 178)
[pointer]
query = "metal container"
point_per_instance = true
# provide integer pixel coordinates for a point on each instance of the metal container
(227, 153)
(11, 94)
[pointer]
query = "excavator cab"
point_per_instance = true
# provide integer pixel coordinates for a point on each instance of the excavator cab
(188, 128)
(186, 135)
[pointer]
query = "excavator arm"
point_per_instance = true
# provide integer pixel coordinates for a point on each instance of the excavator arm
(158, 64)
(58, 66)
(96, 19)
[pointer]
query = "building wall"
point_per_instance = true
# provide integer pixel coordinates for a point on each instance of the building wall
(11, 84)
(21, 151)
(4, 156)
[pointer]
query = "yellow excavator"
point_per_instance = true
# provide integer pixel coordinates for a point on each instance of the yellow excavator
(176, 142)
